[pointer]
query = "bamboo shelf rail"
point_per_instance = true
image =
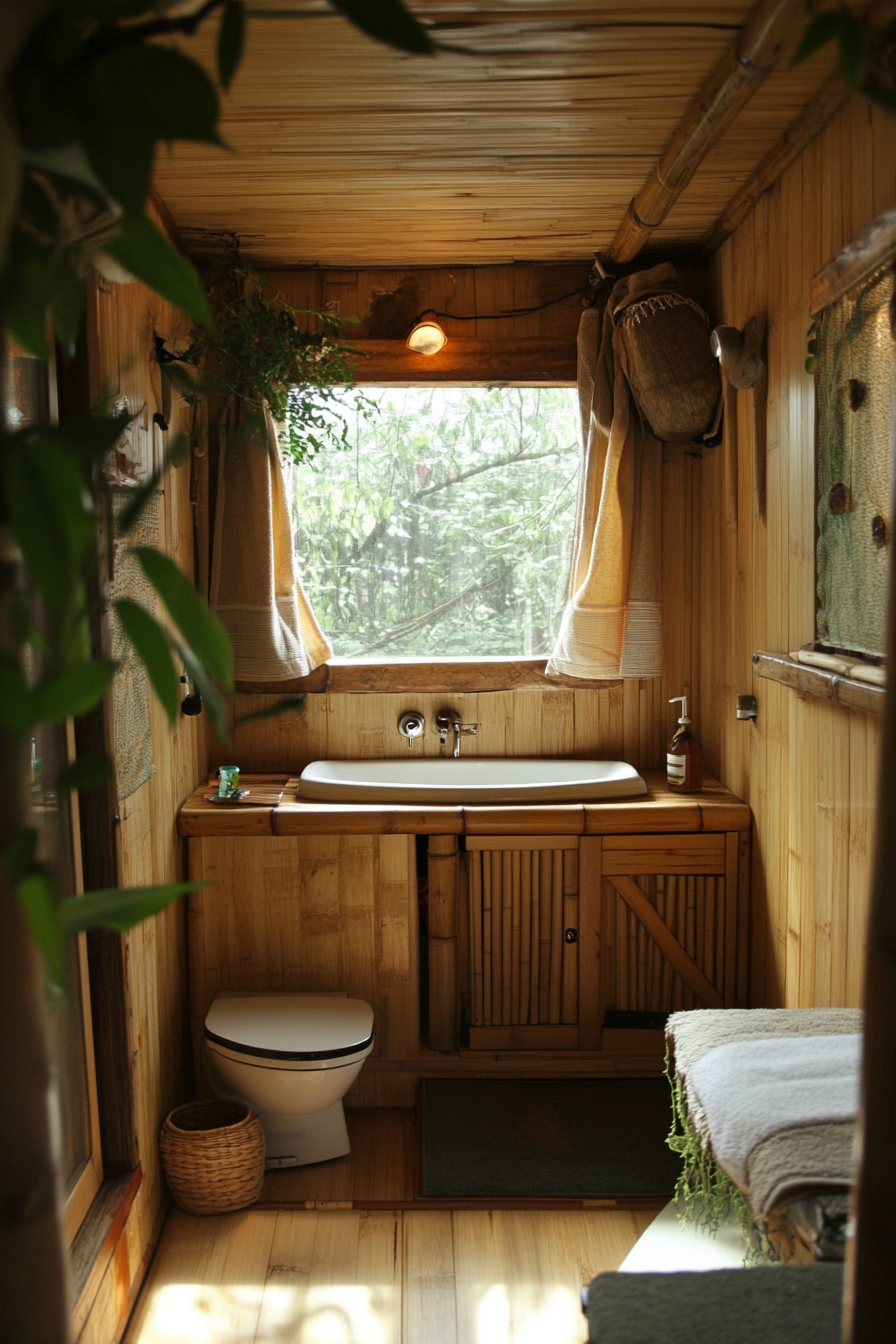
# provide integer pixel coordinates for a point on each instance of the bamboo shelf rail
(819, 682)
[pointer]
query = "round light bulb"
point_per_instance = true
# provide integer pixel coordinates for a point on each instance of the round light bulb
(427, 338)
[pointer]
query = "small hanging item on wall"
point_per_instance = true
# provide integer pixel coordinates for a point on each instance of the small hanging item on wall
(661, 340)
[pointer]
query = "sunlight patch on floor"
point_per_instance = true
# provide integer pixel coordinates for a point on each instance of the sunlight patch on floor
(526, 1315)
(186, 1313)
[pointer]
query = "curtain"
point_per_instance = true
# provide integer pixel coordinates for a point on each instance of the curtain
(254, 586)
(612, 623)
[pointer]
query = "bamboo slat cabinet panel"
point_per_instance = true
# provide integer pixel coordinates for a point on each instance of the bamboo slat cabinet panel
(563, 929)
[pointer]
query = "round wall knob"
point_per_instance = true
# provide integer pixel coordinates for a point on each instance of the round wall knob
(411, 724)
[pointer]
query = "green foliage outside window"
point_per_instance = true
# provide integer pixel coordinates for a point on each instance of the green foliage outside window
(446, 529)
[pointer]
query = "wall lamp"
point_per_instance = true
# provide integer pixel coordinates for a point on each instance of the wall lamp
(426, 337)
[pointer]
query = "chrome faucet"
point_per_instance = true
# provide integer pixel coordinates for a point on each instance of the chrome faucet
(449, 721)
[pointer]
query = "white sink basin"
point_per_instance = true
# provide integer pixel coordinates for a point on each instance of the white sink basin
(473, 780)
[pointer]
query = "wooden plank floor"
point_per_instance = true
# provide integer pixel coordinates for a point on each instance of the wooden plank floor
(269, 1276)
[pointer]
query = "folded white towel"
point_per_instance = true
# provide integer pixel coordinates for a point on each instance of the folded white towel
(750, 1090)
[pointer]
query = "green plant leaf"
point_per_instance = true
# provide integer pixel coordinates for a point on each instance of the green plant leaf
(853, 51)
(212, 699)
(283, 706)
(21, 853)
(388, 21)
(197, 622)
(156, 91)
(16, 710)
(72, 691)
(87, 772)
(141, 249)
(27, 290)
(123, 162)
(36, 891)
(230, 41)
(118, 909)
(50, 513)
(154, 651)
(67, 302)
(876, 93)
(823, 28)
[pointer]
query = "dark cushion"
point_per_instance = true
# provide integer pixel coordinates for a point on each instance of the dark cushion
(793, 1304)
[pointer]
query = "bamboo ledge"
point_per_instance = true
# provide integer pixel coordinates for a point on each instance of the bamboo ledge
(819, 682)
(273, 808)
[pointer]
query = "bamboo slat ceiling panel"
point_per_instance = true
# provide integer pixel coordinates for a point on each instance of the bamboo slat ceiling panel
(529, 147)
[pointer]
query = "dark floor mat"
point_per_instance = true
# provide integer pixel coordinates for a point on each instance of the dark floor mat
(576, 1139)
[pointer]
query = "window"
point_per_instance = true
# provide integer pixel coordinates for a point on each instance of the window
(29, 398)
(446, 529)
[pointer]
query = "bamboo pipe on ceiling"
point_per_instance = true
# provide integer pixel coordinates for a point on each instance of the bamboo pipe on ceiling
(750, 58)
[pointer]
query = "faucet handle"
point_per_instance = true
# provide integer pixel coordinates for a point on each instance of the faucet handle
(411, 725)
(447, 721)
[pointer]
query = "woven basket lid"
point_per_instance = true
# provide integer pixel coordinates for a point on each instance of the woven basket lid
(291, 1026)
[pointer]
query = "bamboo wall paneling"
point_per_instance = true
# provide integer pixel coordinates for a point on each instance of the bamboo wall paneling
(804, 128)
(807, 765)
(151, 960)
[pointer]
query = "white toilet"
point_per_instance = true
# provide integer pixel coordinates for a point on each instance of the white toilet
(292, 1058)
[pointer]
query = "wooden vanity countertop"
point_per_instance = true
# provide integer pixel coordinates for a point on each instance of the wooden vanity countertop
(272, 808)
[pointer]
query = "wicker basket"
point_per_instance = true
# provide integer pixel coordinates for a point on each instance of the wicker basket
(213, 1156)
(673, 374)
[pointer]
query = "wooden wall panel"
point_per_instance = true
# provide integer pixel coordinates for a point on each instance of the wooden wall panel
(807, 768)
(122, 320)
(310, 913)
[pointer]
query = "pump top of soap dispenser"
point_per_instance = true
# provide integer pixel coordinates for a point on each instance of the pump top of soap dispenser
(683, 701)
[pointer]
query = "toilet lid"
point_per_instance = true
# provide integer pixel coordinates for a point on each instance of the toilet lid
(291, 1026)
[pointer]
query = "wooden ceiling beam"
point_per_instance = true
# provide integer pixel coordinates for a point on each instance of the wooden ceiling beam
(746, 64)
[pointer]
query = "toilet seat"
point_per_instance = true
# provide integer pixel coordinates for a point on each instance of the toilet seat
(290, 1031)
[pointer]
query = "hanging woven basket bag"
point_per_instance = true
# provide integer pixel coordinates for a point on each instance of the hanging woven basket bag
(663, 341)
(213, 1156)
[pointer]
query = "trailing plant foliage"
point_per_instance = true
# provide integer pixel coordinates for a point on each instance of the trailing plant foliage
(867, 52)
(704, 1193)
(257, 352)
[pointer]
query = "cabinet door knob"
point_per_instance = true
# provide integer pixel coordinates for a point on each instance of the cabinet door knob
(571, 936)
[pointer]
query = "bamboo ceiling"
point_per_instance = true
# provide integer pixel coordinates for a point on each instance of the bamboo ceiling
(529, 148)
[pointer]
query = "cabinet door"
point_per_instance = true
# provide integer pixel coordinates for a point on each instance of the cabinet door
(667, 922)
(523, 943)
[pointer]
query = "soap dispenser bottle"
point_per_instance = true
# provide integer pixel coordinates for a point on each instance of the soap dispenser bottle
(684, 759)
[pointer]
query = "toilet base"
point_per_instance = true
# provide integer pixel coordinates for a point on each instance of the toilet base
(297, 1140)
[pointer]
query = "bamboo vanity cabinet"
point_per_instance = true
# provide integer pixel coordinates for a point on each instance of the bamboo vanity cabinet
(539, 921)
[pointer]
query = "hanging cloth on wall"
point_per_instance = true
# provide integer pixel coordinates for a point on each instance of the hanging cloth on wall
(612, 624)
(254, 586)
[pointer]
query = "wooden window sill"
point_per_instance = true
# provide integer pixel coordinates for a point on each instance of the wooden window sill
(358, 676)
(819, 682)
